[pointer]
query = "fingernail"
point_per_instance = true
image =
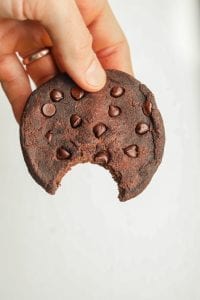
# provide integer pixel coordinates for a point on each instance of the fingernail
(95, 74)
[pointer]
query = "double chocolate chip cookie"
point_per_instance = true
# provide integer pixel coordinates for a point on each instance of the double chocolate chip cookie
(118, 128)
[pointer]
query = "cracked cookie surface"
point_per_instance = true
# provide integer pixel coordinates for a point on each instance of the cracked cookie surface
(119, 128)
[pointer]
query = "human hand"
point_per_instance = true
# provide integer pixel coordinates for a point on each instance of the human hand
(85, 39)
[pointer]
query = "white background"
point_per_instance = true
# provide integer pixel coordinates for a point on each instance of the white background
(83, 243)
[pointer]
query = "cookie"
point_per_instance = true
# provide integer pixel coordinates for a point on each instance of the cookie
(118, 128)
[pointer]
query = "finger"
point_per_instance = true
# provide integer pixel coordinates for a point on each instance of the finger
(27, 38)
(110, 43)
(33, 38)
(42, 70)
(15, 83)
(72, 44)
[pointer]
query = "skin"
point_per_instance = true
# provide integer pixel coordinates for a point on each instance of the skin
(85, 39)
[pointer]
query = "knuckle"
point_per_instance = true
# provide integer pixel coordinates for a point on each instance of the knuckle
(31, 9)
(15, 10)
(21, 9)
(119, 47)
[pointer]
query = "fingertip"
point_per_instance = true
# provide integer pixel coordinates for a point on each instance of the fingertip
(91, 78)
(95, 76)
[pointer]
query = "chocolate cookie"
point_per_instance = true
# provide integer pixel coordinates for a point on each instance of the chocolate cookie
(119, 128)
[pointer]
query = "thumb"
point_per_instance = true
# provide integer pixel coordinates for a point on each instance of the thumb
(72, 42)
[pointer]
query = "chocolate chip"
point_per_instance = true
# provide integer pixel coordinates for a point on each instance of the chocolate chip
(77, 93)
(49, 135)
(131, 151)
(117, 91)
(102, 157)
(99, 129)
(114, 111)
(147, 107)
(75, 120)
(56, 95)
(142, 128)
(63, 153)
(48, 110)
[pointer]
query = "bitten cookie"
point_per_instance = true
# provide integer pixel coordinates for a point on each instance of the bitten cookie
(118, 128)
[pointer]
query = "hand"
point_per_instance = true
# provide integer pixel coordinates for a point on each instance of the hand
(85, 39)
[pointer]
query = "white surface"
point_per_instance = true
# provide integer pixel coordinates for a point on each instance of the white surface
(83, 243)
